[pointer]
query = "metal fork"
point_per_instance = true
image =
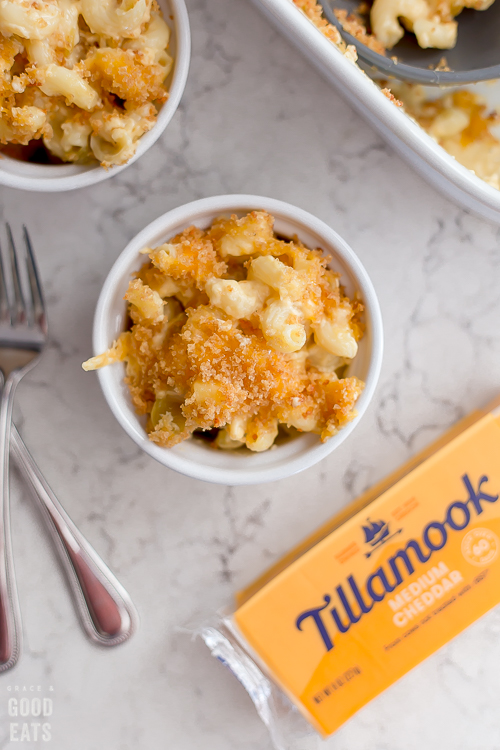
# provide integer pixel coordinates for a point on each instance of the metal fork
(106, 612)
(23, 334)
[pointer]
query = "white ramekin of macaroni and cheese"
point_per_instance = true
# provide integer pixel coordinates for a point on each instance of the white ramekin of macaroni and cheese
(237, 339)
(86, 86)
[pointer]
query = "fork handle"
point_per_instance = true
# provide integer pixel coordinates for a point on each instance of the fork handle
(10, 613)
(105, 609)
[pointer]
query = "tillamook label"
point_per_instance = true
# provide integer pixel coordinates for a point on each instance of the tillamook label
(389, 586)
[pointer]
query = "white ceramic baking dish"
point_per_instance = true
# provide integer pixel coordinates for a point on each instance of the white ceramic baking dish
(428, 158)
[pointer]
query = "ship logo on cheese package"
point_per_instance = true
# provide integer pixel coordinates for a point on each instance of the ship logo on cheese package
(382, 586)
(376, 534)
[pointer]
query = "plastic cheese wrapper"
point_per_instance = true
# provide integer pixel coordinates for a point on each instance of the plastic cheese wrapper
(378, 589)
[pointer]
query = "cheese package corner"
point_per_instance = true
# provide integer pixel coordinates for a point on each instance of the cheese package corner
(406, 568)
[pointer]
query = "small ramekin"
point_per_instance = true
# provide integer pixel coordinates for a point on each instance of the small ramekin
(192, 457)
(60, 177)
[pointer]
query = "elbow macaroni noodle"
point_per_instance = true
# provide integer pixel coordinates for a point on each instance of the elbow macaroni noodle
(432, 21)
(239, 299)
(238, 332)
(107, 18)
(93, 69)
(432, 26)
(59, 81)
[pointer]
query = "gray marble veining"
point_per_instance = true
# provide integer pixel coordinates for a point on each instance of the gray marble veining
(255, 118)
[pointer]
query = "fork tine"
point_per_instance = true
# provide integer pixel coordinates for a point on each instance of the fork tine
(4, 299)
(18, 310)
(37, 300)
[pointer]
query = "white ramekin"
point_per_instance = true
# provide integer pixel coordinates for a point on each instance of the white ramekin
(58, 177)
(192, 457)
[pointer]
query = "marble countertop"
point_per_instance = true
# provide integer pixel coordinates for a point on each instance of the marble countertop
(255, 118)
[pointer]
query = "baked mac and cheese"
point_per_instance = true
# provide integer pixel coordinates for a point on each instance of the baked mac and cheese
(238, 333)
(461, 122)
(85, 77)
(381, 24)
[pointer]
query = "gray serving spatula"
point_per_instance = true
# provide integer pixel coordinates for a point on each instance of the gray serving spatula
(476, 56)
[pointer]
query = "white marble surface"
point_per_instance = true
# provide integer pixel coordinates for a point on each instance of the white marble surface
(255, 118)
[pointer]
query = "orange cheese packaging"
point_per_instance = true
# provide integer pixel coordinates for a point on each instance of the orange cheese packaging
(379, 588)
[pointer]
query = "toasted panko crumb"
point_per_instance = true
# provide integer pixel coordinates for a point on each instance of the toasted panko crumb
(188, 256)
(132, 75)
(314, 12)
(191, 366)
(389, 95)
(354, 26)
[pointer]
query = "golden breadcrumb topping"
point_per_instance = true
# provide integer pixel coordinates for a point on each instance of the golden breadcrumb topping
(237, 333)
(313, 10)
(354, 25)
(129, 74)
(389, 95)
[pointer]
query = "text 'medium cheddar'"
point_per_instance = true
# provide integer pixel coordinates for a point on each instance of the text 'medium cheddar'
(377, 590)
